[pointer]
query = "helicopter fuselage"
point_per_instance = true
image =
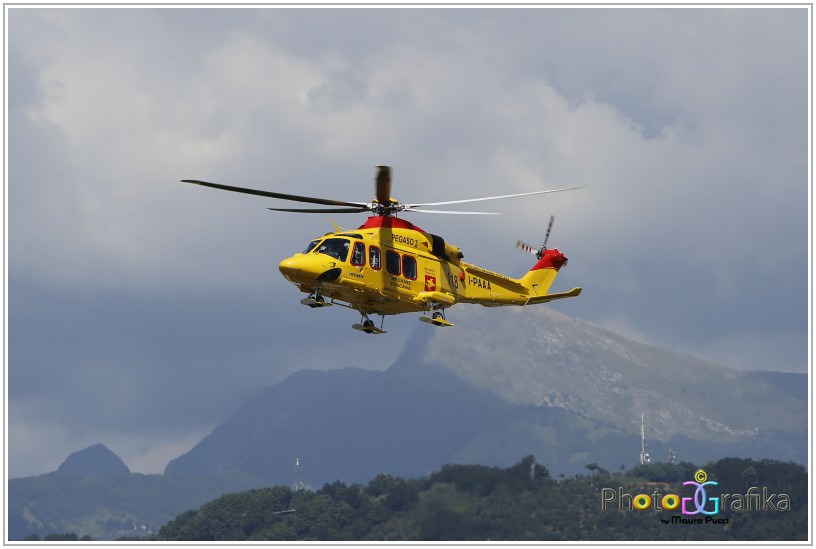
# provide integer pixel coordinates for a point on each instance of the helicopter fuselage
(389, 266)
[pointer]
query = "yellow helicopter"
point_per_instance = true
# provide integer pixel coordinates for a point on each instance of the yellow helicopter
(390, 266)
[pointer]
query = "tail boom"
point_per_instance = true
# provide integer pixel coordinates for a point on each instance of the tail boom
(493, 290)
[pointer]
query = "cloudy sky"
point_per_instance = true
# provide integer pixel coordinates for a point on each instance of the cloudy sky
(141, 310)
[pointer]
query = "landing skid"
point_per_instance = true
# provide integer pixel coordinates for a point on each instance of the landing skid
(315, 301)
(368, 329)
(367, 325)
(436, 320)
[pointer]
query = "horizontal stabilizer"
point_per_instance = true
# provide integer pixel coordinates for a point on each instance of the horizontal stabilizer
(550, 297)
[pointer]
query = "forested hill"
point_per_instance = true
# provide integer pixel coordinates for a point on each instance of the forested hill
(522, 502)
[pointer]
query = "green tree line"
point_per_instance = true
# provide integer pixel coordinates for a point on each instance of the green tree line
(519, 503)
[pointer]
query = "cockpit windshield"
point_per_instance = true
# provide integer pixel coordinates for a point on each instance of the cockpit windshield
(337, 248)
(311, 245)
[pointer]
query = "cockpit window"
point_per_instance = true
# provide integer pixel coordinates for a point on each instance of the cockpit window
(337, 248)
(311, 246)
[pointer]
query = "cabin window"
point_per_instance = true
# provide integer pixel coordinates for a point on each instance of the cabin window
(392, 262)
(337, 248)
(409, 267)
(358, 254)
(311, 246)
(374, 258)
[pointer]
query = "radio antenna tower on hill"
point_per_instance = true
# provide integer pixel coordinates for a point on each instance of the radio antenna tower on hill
(644, 455)
(297, 482)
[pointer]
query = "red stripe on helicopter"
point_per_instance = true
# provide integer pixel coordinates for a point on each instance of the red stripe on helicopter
(388, 222)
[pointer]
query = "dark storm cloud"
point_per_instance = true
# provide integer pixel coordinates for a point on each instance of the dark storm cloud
(138, 301)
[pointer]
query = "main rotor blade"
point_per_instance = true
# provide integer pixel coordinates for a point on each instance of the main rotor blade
(491, 197)
(450, 212)
(320, 210)
(383, 185)
(282, 196)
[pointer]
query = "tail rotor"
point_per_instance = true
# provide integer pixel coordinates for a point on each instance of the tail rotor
(538, 252)
(549, 228)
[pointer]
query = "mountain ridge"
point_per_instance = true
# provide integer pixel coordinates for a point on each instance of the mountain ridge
(562, 361)
(109, 505)
(470, 395)
(96, 459)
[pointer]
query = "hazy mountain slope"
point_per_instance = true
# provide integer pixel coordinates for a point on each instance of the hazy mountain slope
(349, 424)
(96, 459)
(793, 385)
(490, 394)
(353, 424)
(539, 356)
(108, 502)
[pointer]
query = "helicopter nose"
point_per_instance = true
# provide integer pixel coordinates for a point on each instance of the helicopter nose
(309, 269)
(296, 269)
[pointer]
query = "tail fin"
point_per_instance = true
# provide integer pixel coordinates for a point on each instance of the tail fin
(539, 279)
